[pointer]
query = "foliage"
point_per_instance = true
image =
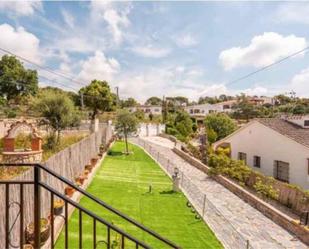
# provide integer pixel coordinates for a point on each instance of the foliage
(183, 123)
(140, 115)
(153, 101)
(23, 141)
(15, 80)
(57, 109)
(126, 123)
(129, 102)
(265, 187)
(243, 109)
(212, 136)
(98, 97)
(236, 169)
(221, 124)
(51, 147)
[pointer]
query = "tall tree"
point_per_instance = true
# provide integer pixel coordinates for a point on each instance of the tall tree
(98, 97)
(220, 123)
(129, 102)
(126, 123)
(57, 109)
(153, 101)
(15, 80)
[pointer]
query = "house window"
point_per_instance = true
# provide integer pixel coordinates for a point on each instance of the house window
(306, 123)
(281, 171)
(257, 161)
(242, 156)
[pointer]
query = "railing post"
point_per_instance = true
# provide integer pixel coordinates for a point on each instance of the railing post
(204, 204)
(37, 208)
(248, 244)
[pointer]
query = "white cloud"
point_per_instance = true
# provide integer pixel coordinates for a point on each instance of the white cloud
(151, 51)
(21, 8)
(68, 18)
(20, 42)
(114, 14)
(186, 40)
(263, 49)
(98, 67)
(293, 12)
(300, 83)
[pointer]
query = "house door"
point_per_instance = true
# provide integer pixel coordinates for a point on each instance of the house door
(281, 171)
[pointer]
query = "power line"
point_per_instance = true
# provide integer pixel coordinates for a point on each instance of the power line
(267, 66)
(63, 75)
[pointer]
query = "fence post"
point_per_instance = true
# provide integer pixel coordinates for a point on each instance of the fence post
(248, 244)
(37, 208)
(158, 156)
(204, 204)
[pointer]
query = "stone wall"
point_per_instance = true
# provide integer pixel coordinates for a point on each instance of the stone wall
(269, 211)
(68, 163)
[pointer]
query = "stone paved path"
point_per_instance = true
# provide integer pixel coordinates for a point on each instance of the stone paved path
(249, 222)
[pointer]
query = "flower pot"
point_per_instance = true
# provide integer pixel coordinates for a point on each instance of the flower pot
(27, 246)
(89, 167)
(94, 161)
(44, 233)
(81, 179)
(69, 191)
(58, 206)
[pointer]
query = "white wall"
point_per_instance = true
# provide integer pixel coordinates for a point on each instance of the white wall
(152, 130)
(259, 140)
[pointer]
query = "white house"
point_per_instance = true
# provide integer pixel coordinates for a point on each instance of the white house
(226, 106)
(202, 110)
(277, 147)
(153, 109)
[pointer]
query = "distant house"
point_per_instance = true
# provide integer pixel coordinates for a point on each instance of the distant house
(277, 147)
(202, 110)
(226, 106)
(147, 109)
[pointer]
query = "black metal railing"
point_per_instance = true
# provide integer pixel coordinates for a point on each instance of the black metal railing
(38, 185)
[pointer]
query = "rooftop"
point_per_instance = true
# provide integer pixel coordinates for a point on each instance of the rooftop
(288, 129)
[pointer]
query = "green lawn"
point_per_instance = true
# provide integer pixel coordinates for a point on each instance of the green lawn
(123, 182)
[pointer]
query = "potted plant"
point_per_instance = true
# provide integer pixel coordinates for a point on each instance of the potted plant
(81, 179)
(69, 191)
(89, 167)
(44, 233)
(86, 172)
(27, 246)
(58, 206)
(94, 161)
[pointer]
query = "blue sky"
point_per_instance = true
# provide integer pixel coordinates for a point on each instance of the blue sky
(191, 49)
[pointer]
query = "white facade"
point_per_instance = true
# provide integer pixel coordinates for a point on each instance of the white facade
(202, 110)
(256, 139)
(155, 110)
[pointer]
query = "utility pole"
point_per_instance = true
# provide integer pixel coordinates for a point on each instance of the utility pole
(117, 94)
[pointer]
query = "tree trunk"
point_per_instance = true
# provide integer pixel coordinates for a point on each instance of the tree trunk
(126, 141)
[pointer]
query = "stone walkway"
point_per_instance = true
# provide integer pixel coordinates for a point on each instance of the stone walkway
(225, 210)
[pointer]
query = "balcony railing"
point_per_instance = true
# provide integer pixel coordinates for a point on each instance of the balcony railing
(38, 184)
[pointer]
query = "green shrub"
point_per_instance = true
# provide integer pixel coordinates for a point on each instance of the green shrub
(265, 187)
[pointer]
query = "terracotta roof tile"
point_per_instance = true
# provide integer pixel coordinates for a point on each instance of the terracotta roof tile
(288, 129)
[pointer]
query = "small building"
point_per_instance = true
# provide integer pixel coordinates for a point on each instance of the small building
(277, 147)
(147, 109)
(226, 106)
(202, 110)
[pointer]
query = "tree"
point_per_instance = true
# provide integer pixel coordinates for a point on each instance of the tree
(183, 123)
(153, 101)
(244, 109)
(126, 123)
(98, 97)
(220, 123)
(130, 102)
(57, 109)
(15, 80)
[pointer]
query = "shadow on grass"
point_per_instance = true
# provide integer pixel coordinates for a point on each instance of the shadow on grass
(168, 192)
(114, 153)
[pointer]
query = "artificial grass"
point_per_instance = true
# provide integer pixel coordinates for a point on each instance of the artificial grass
(123, 182)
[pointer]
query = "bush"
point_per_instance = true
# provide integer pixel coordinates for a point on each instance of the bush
(265, 187)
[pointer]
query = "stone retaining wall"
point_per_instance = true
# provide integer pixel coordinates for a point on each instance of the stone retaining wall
(269, 211)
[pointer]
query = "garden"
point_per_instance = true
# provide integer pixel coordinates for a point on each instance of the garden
(134, 184)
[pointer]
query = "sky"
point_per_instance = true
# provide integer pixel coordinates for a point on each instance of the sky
(191, 49)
